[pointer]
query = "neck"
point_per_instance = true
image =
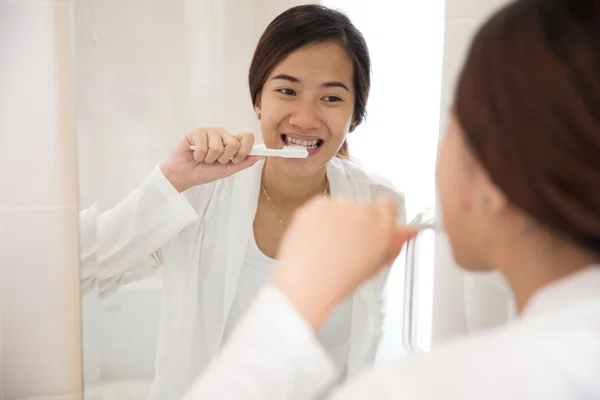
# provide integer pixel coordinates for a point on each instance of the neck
(530, 269)
(292, 192)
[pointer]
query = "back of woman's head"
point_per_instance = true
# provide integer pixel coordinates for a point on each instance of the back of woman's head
(528, 102)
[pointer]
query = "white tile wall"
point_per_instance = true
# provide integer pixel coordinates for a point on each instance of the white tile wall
(40, 347)
(41, 350)
(3, 250)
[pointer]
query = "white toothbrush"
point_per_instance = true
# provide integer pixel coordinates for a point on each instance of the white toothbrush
(287, 151)
(434, 226)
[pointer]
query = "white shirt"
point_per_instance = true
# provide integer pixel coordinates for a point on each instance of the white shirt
(552, 353)
(198, 239)
(334, 336)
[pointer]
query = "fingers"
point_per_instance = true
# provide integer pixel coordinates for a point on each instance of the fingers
(246, 141)
(200, 141)
(231, 147)
(400, 237)
(217, 145)
(387, 210)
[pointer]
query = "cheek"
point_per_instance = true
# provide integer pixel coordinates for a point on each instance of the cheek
(443, 181)
(338, 123)
(271, 117)
(452, 183)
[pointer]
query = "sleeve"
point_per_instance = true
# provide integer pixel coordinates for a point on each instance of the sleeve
(87, 248)
(131, 234)
(272, 354)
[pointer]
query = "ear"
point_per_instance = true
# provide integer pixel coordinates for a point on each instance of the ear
(491, 197)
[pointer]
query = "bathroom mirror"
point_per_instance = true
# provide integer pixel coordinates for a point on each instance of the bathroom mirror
(155, 307)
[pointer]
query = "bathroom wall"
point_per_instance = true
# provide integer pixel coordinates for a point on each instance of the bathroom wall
(40, 347)
(156, 71)
(459, 304)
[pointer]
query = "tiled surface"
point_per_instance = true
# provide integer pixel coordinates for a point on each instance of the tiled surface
(65, 396)
(144, 86)
(40, 298)
(40, 346)
(3, 249)
(35, 137)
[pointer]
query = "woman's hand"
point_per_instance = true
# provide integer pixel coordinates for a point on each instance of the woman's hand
(218, 155)
(333, 246)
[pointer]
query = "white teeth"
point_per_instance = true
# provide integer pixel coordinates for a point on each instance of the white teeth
(309, 144)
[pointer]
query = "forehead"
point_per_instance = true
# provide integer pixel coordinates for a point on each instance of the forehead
(318, 63)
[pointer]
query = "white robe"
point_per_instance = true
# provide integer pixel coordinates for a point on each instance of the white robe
(552, 353)
(198, 240)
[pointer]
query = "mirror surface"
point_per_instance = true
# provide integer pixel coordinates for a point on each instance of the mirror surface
(166, 275)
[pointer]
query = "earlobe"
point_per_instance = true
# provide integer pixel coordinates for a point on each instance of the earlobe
(484, 200)
(493, 199)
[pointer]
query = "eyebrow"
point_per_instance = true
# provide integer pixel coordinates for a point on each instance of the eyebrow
(290, 78)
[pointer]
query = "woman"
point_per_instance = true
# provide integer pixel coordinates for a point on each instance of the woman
(212, 218)
(519, 186)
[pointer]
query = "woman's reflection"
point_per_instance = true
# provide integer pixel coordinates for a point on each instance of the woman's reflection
(212, 219)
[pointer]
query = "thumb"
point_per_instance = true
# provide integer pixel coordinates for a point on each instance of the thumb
(401, 237)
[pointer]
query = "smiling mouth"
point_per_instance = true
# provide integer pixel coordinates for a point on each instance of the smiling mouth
(308, 144)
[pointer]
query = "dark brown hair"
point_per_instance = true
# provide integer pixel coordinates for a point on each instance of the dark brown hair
(309, 24)
(528, 101)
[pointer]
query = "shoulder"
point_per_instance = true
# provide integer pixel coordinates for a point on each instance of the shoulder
(501, 364)
(377, 184)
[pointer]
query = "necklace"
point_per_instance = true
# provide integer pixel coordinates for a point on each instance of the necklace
(273, 205)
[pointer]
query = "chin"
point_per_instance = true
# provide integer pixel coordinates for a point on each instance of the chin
(299, 167)
(469, 262)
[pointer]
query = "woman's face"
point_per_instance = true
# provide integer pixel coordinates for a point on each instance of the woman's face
(464, 194)
(308, 100)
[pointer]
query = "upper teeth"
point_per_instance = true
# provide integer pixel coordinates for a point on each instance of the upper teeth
(305, 143)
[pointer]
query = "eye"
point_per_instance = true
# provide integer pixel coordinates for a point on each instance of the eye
(286, 91)
(332, 99)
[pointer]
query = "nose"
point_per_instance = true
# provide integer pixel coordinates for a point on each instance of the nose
(305, 115)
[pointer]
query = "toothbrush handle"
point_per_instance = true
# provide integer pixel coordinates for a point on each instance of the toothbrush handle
(424, 226)
(262, 152)
(258, 150)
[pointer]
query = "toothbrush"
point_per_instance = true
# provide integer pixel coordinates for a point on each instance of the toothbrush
(433, 226)
(287, 151)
